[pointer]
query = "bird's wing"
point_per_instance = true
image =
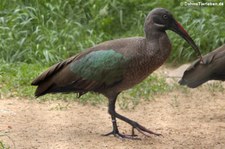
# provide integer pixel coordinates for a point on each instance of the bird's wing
(92, 71)
(52, 70)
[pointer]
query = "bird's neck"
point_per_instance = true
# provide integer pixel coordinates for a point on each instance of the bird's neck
(152, 33)
(157, 45)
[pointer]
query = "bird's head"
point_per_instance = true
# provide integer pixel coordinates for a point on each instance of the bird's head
(161, 19)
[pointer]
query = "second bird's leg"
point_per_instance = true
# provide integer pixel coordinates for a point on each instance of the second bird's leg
(136, 125)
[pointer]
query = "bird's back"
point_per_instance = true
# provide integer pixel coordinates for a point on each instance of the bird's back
(60, 77)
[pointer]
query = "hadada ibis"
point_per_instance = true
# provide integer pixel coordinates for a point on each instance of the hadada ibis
(114, 66)
(212, 68)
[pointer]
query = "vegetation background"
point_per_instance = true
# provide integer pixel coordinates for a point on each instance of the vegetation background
(36, 34)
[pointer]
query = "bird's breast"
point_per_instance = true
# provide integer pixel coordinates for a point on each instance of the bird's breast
(141, 67)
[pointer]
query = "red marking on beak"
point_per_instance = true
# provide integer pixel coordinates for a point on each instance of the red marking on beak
(181, 28)
(177, 28)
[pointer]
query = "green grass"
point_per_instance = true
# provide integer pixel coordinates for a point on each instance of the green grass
(215, 87)
(36, 34)
(50, 30)
(16, 78)
(3, 146)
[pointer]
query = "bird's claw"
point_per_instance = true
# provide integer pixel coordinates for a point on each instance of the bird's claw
(122, 136)
(147, 133)
(144, 130)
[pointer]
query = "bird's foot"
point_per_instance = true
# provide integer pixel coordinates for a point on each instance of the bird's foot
(143, 130)
(122, 136)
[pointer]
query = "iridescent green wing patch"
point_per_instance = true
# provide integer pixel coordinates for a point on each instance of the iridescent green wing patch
(104, 66)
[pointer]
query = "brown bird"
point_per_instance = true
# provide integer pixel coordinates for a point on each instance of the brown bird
(212, 68)
(114, 66)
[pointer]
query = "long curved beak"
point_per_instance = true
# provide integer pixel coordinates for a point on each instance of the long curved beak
(177, 28)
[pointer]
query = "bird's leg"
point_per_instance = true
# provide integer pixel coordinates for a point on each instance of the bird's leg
(111, 108)
(115, 130)
(135, 125)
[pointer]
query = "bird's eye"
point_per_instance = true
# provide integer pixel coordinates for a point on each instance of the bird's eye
(165, 17)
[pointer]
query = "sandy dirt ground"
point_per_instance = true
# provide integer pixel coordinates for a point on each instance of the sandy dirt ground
(186, 119)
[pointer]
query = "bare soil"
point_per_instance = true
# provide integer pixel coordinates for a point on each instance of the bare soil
(186, 118)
